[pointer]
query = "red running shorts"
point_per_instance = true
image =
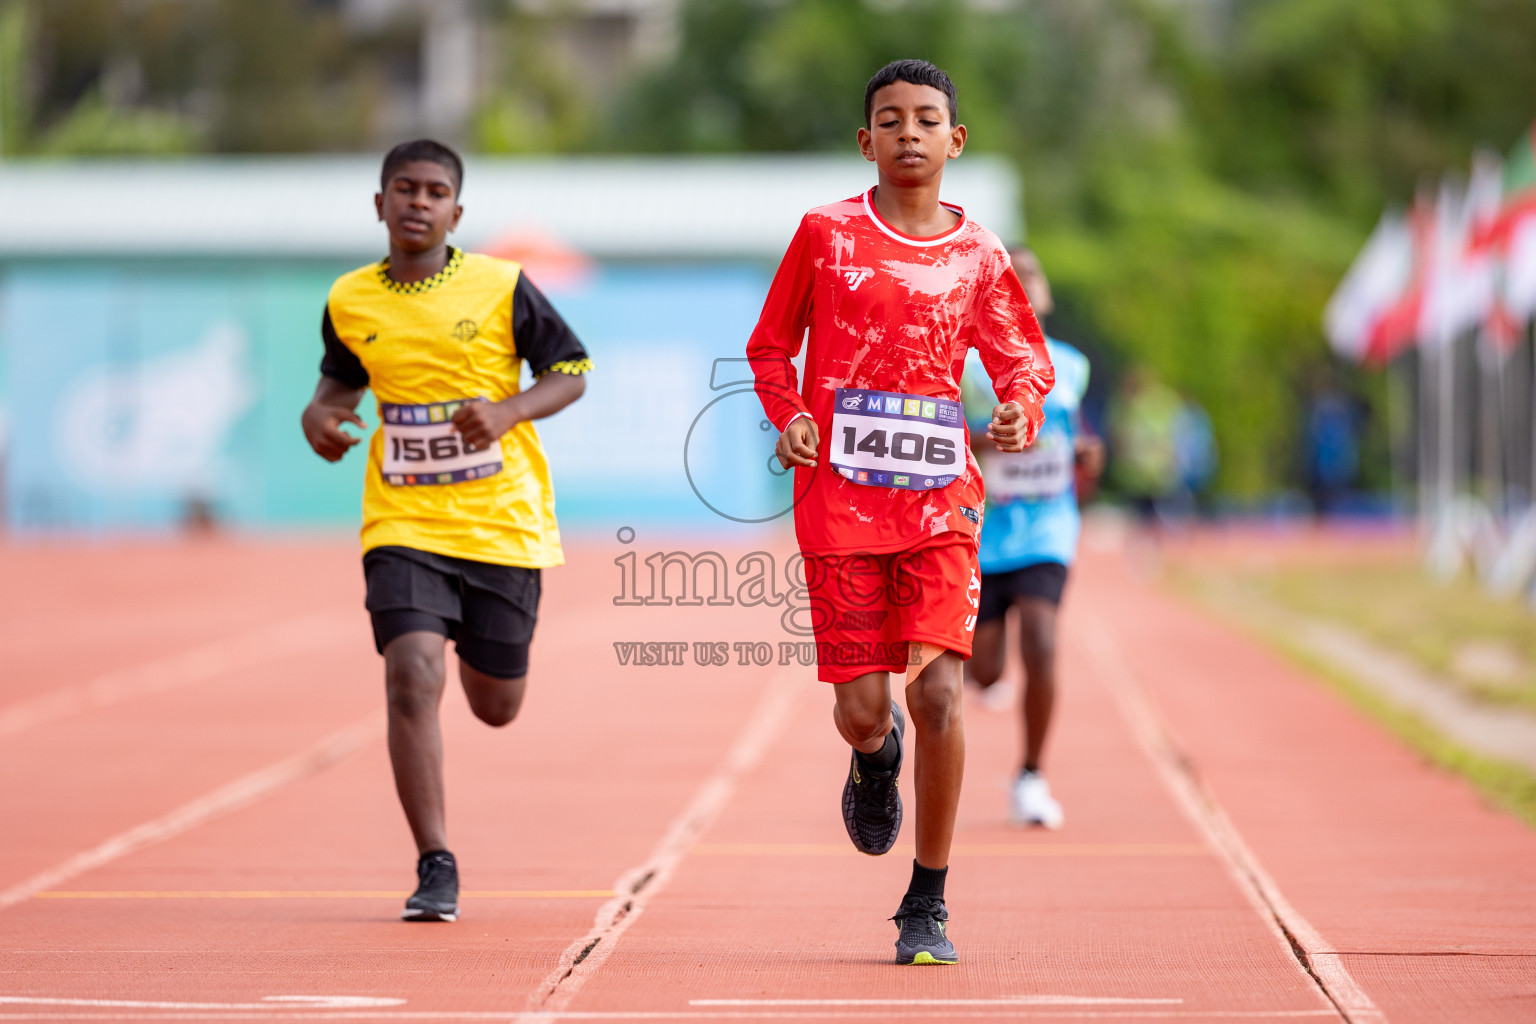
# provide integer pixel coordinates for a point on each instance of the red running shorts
(867, 608)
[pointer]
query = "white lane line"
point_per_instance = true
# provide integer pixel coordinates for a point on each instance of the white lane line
(303, 635)
(267, 1003)
(514, 1017)
(1040, 1000)
(638, 886)
(314, 894)
(1201, 807)
(240, 793)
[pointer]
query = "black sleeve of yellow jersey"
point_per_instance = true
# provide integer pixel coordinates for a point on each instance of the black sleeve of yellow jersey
(542, 337)
(339, 362)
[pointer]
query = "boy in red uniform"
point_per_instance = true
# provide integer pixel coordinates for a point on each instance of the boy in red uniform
(894, 287)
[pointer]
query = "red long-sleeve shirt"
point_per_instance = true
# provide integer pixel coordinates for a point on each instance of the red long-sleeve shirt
(887, 312)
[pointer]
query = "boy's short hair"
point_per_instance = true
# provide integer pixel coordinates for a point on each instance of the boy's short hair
(918, 72)
(423, 149)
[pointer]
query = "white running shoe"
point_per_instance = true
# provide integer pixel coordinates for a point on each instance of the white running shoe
(1033, 803)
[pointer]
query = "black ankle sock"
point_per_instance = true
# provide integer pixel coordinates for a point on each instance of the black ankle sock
(882, 760)
(1030, 769)
(927, 881)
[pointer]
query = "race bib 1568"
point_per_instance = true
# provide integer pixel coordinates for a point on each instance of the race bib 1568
(421, 446)
(886, 439)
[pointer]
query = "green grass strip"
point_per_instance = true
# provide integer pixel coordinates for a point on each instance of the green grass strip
(1509, 787)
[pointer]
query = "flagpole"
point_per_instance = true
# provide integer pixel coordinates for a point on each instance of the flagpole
(1426, 449)
(1490, 416)
(1445, 490)
(1394, 371)
(1444, 555)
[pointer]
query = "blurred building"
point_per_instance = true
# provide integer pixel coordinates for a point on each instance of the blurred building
(458, 59)
(157, 76)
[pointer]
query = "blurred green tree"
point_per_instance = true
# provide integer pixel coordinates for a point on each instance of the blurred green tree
(537, 100)
(1199, 172)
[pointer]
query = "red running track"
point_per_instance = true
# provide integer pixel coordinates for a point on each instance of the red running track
(198, 823)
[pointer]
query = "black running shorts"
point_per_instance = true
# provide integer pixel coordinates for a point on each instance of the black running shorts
(488, 611)
(1044, 581)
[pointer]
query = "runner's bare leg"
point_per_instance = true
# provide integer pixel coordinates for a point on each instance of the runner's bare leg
(1037, 637)
(495, 701)
(863, 711)
(413, 685)
(933, 702)
(987, 654)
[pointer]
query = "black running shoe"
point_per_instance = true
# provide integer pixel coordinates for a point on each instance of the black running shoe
(437, 892)
(871, 804)
(923, 921)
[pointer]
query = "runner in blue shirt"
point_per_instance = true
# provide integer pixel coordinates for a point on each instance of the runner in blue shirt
(1029, 539)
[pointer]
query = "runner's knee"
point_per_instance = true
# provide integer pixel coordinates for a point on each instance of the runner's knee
(1037, 636)
(933, 701)
(495, 702)
(411, 694)
(413, 677)
(1040, 653)
(986, 665)
(497, 712)
(984, 673)
(864, 720)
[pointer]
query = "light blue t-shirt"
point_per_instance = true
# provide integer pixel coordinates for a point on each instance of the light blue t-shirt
(1031, 513)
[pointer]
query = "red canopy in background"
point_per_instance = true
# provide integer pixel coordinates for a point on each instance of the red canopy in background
(549, 262)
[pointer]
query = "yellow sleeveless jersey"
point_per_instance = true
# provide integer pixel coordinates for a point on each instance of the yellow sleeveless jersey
(424, 348)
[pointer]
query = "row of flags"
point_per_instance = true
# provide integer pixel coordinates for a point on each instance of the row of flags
(1461, 258)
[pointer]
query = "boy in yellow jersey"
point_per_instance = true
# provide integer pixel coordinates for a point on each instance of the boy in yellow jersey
(458, 513)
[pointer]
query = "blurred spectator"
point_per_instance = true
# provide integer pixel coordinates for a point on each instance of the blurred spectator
(1194, 443)
(1332, 449)
(1143, 428)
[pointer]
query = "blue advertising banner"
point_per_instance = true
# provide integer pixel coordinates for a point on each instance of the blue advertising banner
(135, 398)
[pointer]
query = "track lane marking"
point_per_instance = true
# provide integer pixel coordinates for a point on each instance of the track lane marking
(306, 894)
(960, 849)
(1040, 1000)
(236, 795)
(1291, 930)
(306, 634)
(280, 1002)
(638, 886)
(232, 797)
(514, 1017)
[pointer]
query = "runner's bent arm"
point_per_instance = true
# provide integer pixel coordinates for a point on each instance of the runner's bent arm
(480, 423)
(342, 384)
(554, 354)
(1012, 348)
(774, 344)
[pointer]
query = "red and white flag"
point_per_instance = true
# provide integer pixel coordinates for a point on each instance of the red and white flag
(1459, 280)
(1374, 314)
(1358, 317)
(1517, 225)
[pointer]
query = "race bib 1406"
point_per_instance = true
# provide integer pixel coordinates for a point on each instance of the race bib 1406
(421, 446)
(886, 439)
